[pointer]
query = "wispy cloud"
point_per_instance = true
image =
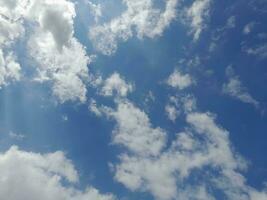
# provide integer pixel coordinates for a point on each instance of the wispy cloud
(197, 15)
(116, 85)
(140, 17)
(235, 88)
(26, 174)
(179, 80)
(149, 164)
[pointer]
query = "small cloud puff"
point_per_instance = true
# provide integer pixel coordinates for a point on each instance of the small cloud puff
(179, 80)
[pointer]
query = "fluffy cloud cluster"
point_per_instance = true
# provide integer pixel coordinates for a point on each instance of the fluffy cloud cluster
(11, 29)
(259, 50)
(28, 175)
(171, 112)
(131, 126)
(197, 15)
(115, 84)
(9, 69)
(140, 17)
(177, 105)
(195, 164)
(179, 80)
(235, 88)
(59, 58)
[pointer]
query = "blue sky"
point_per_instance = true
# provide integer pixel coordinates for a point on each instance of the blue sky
(145, 99)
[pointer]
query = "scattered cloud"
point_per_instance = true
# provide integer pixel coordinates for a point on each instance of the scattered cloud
(235, 88)
(60, 59)
(179, 80)
(248, 28)
(231, 22)
(65, 118)
(29, 175)
(197, 15)
(260, 51)
(94, 108)
(179, 105)
(16, 136)
(199, 161)
(140, 17)
(11, 29)
(9, 69)
(171, 112)
(95, 9)
(132, 124)
(116, 85)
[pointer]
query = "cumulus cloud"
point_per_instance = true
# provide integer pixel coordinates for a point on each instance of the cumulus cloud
(248, 28)
(9, 69)
(132, 123)
(67, 70)
(179, 80)
(29, 175)
(95, 9)
(11, 29)
(231, 22)
(115, 84)
(179, 104)
(60, 58)
(235, 88)
(140, 16)
(260, 50)
(171, 112)
(199, 161)
(16, 136)
(94, 108)
(197, 15)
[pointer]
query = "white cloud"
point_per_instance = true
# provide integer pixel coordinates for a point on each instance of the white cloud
(231, 23)
(197, 15)
(57, 19)
(201, 154)
(178, 105)
(259, 50)
(171, 112)
(29, 175)
(248, 28)
(235, 88)
(60, 58)
(134, 130)
(9, 69)
(140, 17)
(16, 136)
(66, 70)
(94, 108)
(115, 84)
(11, 29)
(179, 80)
(65, 118)
(95, 9)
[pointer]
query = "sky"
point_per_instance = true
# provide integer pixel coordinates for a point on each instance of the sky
(133, 100)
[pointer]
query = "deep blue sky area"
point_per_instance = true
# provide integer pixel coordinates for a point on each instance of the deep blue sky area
(231, 46)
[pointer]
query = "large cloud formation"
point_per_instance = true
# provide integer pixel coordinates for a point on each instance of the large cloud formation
(11, 29)
(59, 58)
(199, 162)
(140, 17)
(29, 175)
